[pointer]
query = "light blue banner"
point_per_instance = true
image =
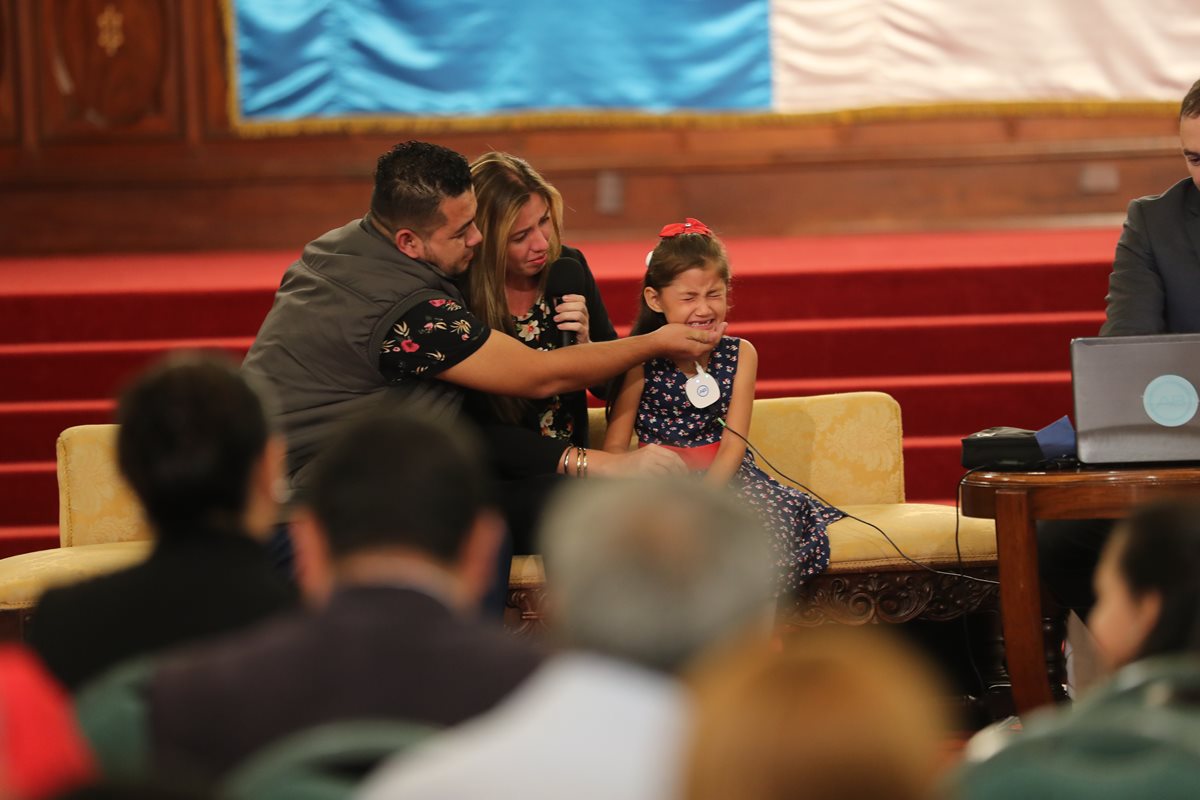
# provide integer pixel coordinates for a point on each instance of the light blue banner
(303, 59)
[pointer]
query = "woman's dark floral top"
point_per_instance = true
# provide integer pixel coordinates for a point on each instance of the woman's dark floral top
(431, 337)
(537, 330)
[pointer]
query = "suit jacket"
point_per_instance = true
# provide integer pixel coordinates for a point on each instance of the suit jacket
(1155, 283)
(196, 583)
(373, 652)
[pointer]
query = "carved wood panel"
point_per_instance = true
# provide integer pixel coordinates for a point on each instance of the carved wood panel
(8, 72)
(109, 68)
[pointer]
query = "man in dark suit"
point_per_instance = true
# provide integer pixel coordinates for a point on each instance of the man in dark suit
(396, 547)
(1154, 288)
(1155, 282)
(195, 446)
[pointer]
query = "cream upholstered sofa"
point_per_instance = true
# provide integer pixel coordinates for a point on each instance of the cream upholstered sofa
(101, 528)
(848, 449)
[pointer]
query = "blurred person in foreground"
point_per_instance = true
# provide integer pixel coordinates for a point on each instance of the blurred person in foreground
(647, 575)
(196, 447)
(395, 547)
(1135, 735)
(837, 715)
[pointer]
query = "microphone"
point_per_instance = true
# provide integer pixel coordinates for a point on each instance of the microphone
(565, 277)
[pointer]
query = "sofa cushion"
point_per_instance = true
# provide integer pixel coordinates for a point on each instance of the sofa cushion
(925, 532)
(23, 578)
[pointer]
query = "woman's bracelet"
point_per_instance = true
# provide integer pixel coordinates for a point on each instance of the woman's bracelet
(585, 462)
(566, 460)
(580, 454)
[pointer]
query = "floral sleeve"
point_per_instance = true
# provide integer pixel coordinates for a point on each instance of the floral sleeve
(431, 337)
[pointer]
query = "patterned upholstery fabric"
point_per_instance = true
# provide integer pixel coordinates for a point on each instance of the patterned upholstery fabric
(848, 448)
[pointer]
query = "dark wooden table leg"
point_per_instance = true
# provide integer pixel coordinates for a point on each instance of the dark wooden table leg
(1021, 600)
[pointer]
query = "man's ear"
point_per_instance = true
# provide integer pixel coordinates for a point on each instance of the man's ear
(409, 243)
(313, 563)
(651, 297)
(477, 557)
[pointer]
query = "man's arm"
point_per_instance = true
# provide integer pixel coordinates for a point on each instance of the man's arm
(1136, 302)
(505, 366)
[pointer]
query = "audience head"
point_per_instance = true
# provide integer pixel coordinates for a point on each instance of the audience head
(195, 446)
(654, 571)
(837, 715)
(687, 253)
(423, 200)
(403, 483)
(520, 218)
(1148, 585)
(1189, 130)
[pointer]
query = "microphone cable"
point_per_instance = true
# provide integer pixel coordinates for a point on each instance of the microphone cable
(957, 548)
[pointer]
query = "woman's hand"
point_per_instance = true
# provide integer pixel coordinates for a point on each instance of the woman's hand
(572, 315)
(649, 460)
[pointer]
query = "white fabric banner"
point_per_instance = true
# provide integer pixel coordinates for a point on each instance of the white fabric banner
(830, 55)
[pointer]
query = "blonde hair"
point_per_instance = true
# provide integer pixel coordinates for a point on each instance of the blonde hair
(503, 185)
(837, 715)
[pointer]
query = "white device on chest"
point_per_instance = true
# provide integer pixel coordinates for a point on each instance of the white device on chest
(702, 390)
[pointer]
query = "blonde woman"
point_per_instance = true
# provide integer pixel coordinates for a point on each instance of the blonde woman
(519, 215)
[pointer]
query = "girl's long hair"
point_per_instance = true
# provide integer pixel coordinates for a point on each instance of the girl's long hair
(503, 185)
(668, 260)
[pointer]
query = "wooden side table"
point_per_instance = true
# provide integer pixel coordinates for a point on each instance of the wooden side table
(1015, 500)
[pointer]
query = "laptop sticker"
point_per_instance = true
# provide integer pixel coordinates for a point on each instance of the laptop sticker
(1170, 400)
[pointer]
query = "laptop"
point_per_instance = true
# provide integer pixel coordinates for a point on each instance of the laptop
(1136, 398)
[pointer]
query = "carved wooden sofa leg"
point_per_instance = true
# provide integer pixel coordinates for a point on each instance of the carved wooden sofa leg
(901, 597)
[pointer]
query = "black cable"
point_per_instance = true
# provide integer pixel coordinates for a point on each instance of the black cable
(882, 533)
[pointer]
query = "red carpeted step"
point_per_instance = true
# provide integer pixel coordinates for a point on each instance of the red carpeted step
(952, 404)
(15, 540)
(221, 312)
(29, 430)
(918, 345)
(113, 316)
(85, 370)
(28, 493)
(893, 293)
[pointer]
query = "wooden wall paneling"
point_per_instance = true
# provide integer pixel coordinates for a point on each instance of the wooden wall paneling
(109, 69)
(8, 72)
(213, 72)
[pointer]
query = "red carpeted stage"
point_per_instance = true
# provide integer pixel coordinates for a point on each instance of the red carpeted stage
(966, 330)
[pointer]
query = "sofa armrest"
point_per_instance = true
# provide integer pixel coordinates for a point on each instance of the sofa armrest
(95, 505)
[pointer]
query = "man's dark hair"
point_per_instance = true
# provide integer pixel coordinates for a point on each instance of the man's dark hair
(398, 479)
(411, 180)
(1191, 103)
(191, 431)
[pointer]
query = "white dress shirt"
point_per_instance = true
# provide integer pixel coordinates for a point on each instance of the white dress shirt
(581, 727)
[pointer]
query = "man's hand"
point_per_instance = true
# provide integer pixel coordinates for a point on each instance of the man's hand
(683, 343)
(649, 460)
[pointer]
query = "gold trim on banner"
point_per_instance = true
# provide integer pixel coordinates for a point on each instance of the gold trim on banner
(396, 123)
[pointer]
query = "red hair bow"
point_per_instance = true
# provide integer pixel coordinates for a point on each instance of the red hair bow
(687, 226)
